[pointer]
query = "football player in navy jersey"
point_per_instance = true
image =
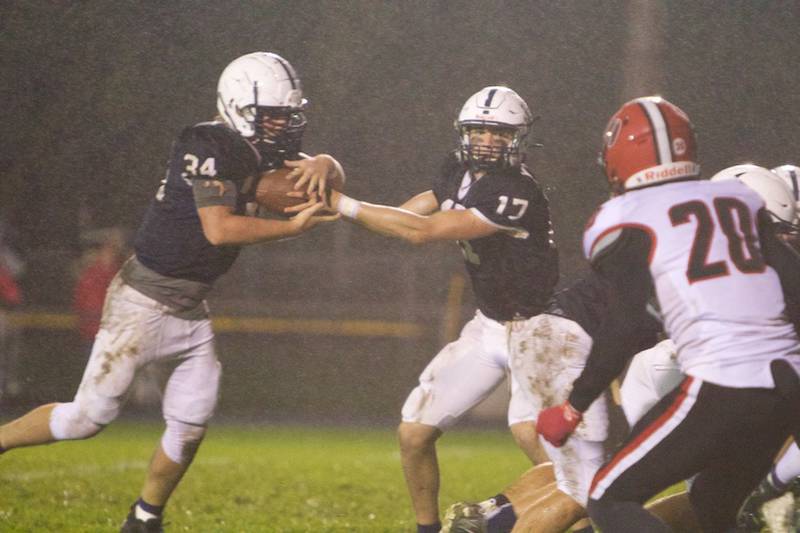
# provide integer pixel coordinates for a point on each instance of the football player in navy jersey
(487, 200)
(728, 291)
(193, 231)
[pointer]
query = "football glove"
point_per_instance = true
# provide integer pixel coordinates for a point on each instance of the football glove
(557, 423)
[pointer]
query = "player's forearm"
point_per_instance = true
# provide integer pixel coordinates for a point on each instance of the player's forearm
(386, 220)
(239, 230)
(393, 222)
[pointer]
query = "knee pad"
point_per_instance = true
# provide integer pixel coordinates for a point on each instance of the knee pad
(69, 422)
(181, 440)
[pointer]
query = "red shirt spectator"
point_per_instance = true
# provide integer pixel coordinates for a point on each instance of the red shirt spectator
(10, 293)
(93, 281)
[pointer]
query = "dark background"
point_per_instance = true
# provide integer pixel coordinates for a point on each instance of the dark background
(93, 94)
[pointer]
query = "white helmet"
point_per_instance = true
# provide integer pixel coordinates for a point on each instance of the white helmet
(498, 107)
(777, 196)
(790, 174)
(259, 86)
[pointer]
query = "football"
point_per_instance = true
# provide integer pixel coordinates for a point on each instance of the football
(272, 187)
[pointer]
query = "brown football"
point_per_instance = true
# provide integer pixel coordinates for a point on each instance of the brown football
(272, 188)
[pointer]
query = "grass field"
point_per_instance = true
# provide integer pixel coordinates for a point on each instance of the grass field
(246, 479)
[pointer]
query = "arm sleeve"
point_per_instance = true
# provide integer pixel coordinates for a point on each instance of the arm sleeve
(209, 192)
(627, 327)
(786, 262)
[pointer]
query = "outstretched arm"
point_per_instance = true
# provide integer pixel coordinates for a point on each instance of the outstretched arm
(413, 221)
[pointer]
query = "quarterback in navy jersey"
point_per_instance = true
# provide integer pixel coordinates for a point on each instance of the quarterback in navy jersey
(155, 309)
(727, 288)
(487, 200)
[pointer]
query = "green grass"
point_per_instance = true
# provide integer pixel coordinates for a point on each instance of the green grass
(246, 479)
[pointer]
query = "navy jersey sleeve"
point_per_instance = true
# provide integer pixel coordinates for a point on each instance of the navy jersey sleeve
(208, 192)
(446, 180)
(627, 327)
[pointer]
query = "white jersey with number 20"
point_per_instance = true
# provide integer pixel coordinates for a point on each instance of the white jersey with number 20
(722, 305)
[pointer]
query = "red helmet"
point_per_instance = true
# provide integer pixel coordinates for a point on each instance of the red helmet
(648, 141)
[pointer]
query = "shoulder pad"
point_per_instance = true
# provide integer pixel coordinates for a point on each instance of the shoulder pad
(603, 228)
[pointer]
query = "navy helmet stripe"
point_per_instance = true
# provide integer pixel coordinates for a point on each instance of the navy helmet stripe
(795, 184)
(288, 72)
(489, 97)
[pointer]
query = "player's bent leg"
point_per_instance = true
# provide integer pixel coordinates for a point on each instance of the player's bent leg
(29, 430)
(461, 375)
(421, 469)
(190, 398)
(553, 512)
(527, 440)
(522, 493)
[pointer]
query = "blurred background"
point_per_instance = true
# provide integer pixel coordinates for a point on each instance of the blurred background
(336, 326)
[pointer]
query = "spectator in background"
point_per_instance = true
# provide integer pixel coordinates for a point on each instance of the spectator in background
(11, 268)
(99, 264)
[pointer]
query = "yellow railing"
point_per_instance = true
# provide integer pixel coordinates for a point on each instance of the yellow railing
(235, 324)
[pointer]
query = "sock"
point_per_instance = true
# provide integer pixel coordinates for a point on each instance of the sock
(500, 515)
(145, 511)
(776, 483)
(429, 528)
(587, 529)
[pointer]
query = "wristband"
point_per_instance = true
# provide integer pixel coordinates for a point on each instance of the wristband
(348, 207)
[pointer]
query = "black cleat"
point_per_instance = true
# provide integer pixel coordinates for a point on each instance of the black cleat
(136, 525)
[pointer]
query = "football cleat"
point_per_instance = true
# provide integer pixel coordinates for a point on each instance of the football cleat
(464, 517)
(750, 517)
(136, 525)
(778, 514)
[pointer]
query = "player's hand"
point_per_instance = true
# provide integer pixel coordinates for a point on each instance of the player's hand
(333, 197)
(312, 174)
(306, 219)
(556, 424)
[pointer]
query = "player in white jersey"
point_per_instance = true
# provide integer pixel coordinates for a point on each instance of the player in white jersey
(727, 289)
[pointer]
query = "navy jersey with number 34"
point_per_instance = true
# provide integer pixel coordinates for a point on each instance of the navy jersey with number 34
(170, 240)
(514, 270)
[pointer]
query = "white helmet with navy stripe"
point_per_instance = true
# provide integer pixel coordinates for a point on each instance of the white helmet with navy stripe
(495, 107)
(773, 190)
(790, 174)
(257, 86)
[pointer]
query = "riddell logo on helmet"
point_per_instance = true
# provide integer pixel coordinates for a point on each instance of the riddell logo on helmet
(676, 170)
